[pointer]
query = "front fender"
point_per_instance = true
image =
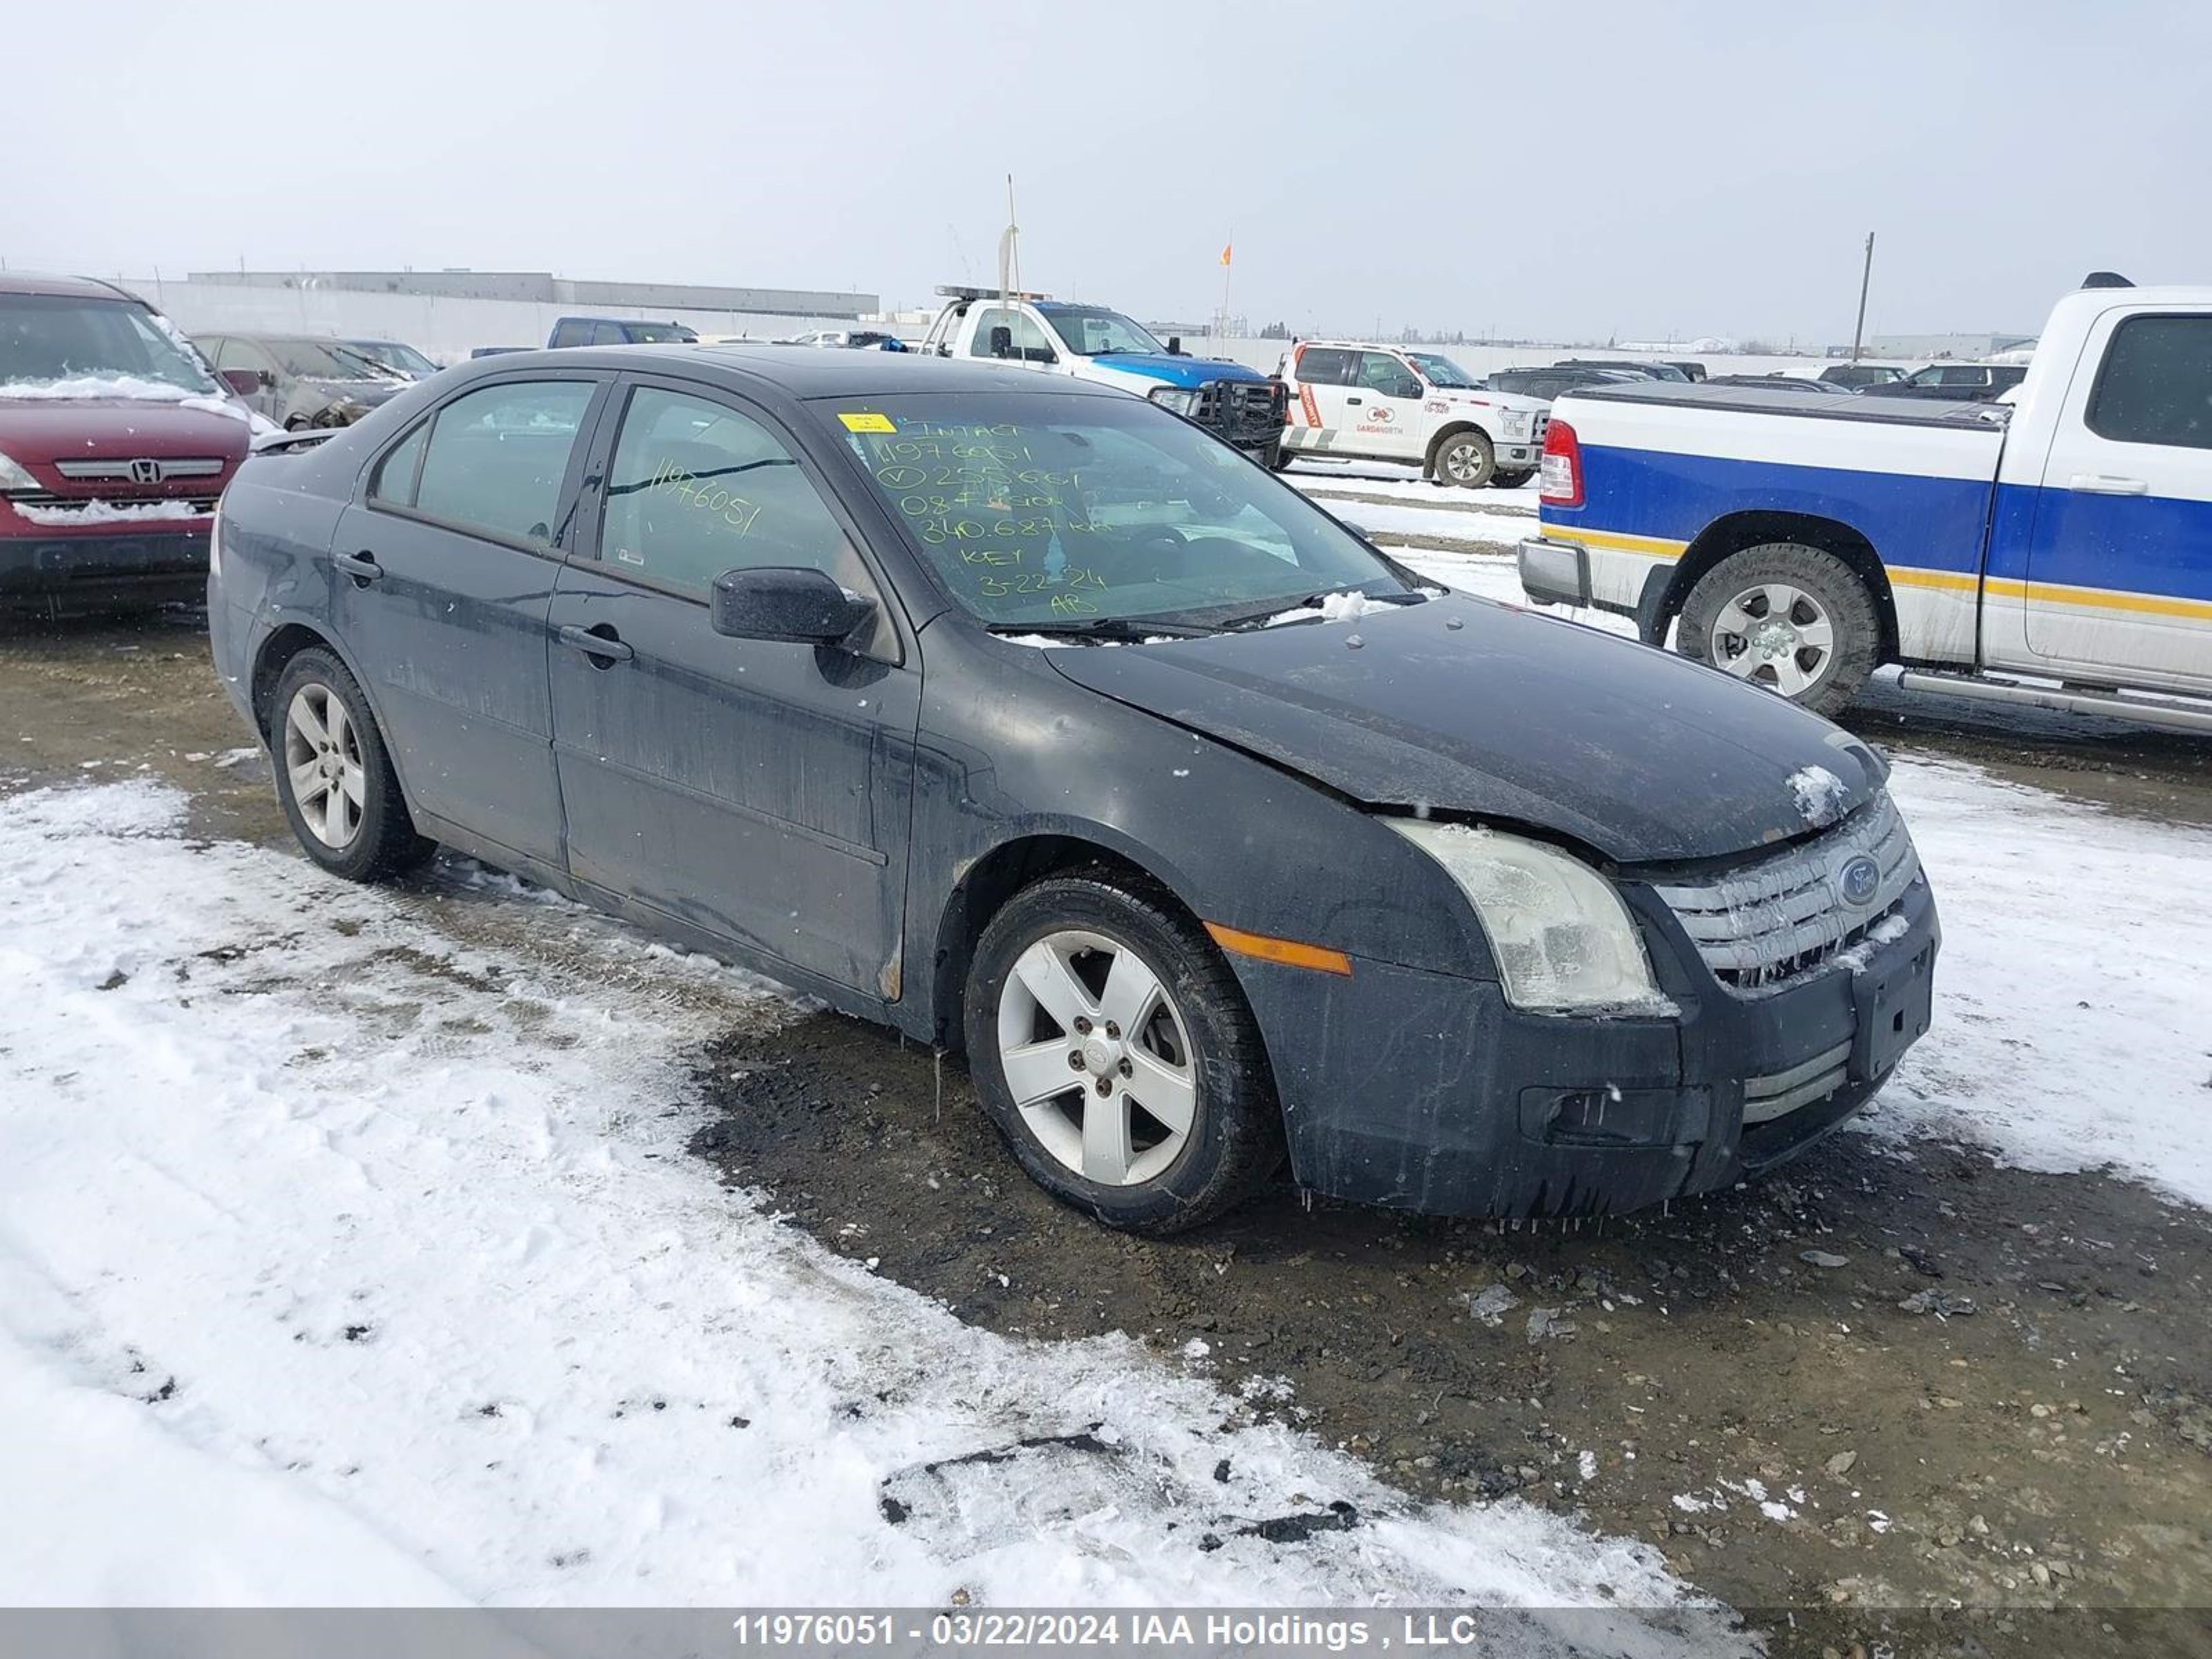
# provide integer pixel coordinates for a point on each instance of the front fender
(1023, 753)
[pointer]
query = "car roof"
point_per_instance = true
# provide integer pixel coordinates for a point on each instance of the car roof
(802, 373)
(1353, 345)
(72, 288)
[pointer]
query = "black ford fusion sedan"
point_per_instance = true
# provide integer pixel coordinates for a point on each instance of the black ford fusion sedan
(1030, 720)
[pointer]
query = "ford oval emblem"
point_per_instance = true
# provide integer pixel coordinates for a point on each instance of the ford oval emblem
(1859, 879)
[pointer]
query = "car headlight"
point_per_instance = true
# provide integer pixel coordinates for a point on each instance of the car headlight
(1564, 940)
(1179, 398)
(1515, 422)
(12, 475)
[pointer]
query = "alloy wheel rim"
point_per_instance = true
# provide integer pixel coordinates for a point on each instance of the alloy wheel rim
(322, 760)
(1097, 1058)
(1460, 461)
(1774, 635)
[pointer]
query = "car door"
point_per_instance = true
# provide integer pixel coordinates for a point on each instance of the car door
(444, 568)
(755, 790)
(2119, 563)
(1385, 409)
(1029, 346)
(1324, 376)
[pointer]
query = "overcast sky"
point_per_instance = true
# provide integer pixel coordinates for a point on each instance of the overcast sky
(1573, 169)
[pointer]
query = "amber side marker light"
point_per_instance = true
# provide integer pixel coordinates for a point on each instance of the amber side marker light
(1287, 951)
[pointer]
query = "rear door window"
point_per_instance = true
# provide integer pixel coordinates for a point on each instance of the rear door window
(497, 457)
(2156, 385)
(1326, 366)
(1029, 340)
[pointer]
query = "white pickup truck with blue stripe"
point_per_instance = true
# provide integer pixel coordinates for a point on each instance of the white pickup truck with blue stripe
(2056, 553)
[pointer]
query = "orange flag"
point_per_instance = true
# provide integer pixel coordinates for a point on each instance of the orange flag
(1225, 253)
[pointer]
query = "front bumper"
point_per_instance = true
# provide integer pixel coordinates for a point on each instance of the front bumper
(48, 570)
(1246, 414)
(1517, 456)
(1555, 573)
(1426, 1092)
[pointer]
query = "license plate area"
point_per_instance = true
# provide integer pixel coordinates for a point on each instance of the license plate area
(1894, 1005)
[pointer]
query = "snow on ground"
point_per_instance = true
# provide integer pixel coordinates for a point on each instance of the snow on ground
(2074, 994)
(340, 1262)
(1390, 478)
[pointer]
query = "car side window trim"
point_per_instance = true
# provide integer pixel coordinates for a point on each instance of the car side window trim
(571, 479)
(586, 550)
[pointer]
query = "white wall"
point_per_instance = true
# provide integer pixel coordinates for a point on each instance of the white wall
(446, 329)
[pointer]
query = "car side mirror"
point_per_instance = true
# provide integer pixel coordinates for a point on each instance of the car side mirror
(244, 381)
(1002, 341)
(1174, 345)
(800, 605)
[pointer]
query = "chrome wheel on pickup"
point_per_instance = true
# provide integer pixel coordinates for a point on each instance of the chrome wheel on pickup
(1797, 620)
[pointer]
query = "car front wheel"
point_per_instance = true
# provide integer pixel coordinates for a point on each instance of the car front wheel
(1512, 478)
(1465, 459)
(1111, 1045)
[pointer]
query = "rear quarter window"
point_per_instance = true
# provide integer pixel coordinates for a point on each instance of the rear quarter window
(1326, 366)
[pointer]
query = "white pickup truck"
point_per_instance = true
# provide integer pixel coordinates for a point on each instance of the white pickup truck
(1240, 405)
(2058, 552)
(1382, 403)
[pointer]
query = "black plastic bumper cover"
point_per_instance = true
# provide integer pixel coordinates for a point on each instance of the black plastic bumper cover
(1428, 1092)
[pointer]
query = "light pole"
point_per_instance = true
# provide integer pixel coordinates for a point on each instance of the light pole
(1866, 280)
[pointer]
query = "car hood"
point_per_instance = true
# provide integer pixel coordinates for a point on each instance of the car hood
(1175, 371)
(1462, 706)
(38, 431)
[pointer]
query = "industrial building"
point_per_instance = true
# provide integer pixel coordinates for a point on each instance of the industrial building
(1966, 348)
(543, 287)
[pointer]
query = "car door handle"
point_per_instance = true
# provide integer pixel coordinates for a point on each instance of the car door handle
(362, 567)
(2103, 484)
(1351, 400)
(606, 649)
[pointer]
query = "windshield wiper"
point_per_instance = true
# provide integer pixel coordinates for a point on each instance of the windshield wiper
(1312, 602)
(1108, 628)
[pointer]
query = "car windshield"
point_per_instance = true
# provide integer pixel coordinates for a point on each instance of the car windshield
(52, 336)
(1042, 511)
(1092, 332)
(1444, 372)
(322, 359)
(394, 355)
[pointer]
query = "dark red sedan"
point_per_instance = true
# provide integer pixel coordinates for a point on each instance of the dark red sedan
(115, 440)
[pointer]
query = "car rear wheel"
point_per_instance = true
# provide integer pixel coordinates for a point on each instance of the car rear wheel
(1791, 618)
(1465, 459)
(1512, 478)
(1111, 1045)
(334, 776)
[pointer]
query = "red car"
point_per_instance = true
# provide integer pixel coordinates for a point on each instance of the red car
(115, 439)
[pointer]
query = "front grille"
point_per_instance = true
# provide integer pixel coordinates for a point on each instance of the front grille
(78, 503)
(1543, 425)
(1778, 918)
(149, 472)
(1241, 410)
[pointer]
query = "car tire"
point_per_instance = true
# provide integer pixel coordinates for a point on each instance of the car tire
(329, 757)
(1465, 459)
(1830, 637)
(1512, 478)
(1280, 456)
(1120, 942)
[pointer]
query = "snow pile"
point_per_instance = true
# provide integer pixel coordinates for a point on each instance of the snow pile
(2073, 1011)
(1331, 607)
(110, 513)
(341, 1262)
(1821, 795)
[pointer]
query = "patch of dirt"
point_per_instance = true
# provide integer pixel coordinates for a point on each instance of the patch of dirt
(1864, 1382)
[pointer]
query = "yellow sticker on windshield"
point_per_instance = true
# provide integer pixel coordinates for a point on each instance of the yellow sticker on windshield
(867, 423)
